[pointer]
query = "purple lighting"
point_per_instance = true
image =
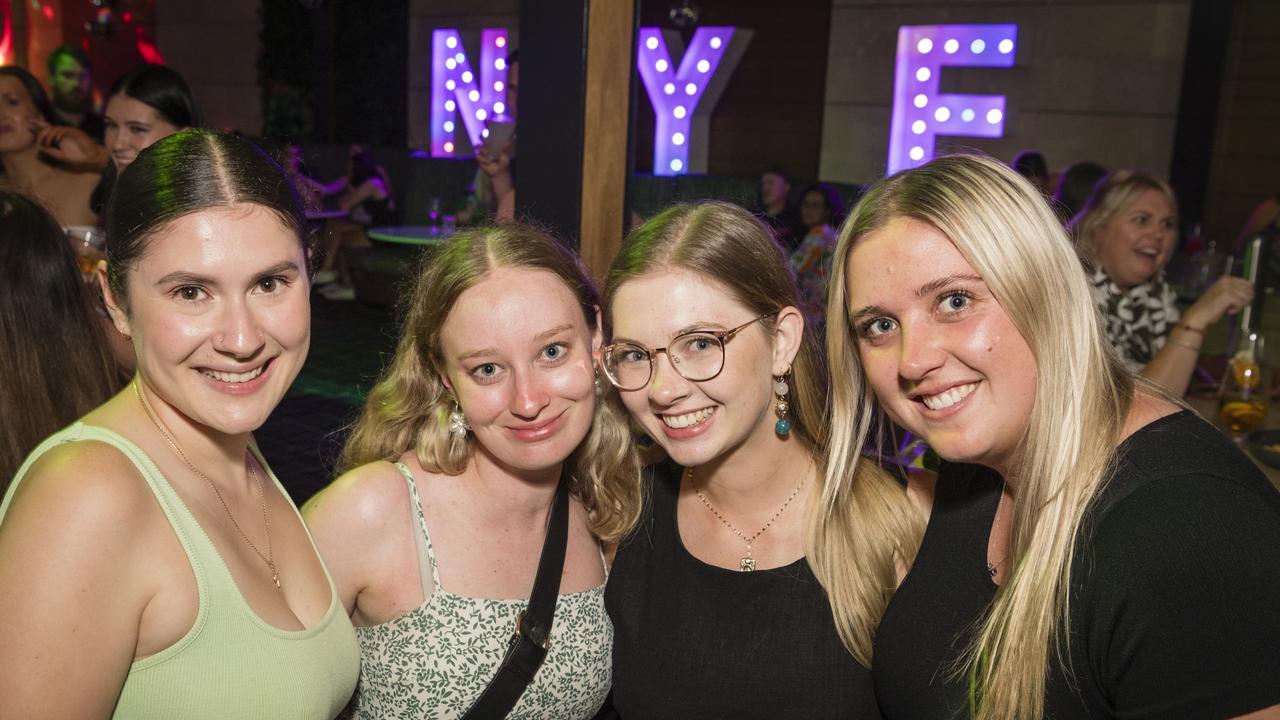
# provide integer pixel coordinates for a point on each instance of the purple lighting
(456, 89)
(920, 112)
(680, 136)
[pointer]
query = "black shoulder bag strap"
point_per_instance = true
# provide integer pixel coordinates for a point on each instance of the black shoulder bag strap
(528, 647)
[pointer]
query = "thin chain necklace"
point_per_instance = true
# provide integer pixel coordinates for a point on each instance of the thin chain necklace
(262, 497)
(747, 563)
(992, 566)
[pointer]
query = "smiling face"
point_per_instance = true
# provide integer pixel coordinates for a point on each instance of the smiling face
(132, 126)
(697, 422)
(518, 357)
(942, 356)
(1138, 240)
(17, 111)
(219, 311)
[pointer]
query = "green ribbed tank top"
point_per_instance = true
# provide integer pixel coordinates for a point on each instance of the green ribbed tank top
(231, 663)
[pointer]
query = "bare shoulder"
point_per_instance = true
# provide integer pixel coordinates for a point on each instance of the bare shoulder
(88, 483)
(359, 502)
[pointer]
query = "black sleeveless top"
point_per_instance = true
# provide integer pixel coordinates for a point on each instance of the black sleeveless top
(692, 640)
(1173, 595)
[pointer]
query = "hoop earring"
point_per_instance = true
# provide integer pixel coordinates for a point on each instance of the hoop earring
(457, 421)
(782, 408)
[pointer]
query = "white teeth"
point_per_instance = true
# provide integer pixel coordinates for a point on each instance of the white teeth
(234, 377)
(684, 421)
(948, 398)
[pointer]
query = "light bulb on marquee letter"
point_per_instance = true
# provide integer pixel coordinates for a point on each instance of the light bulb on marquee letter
(920, 112)
(684, 94)
(456, 89)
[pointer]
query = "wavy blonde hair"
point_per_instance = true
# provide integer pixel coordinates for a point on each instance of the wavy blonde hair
(409, 407)
(1109, 198)
(850, 540)
(1005, 230)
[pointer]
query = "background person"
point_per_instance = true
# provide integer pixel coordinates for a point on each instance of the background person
(62, 188)
(145, 545)
(1062, 479)
(51, 343)
(71, 83)
(776, 210)
(491, 395)
(1128, 230)
(820, 209)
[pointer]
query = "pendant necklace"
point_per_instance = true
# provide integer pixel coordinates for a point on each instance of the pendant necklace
(991, 566)
(747, 563)
(262, 497)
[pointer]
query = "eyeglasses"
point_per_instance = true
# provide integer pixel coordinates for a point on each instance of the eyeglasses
(696, 356)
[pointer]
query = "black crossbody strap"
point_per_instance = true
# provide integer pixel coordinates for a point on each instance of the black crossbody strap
(528, 646)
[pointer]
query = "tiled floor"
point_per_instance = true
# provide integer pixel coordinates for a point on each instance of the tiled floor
(350, 344)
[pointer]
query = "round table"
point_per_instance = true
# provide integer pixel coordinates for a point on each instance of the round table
(409, 234)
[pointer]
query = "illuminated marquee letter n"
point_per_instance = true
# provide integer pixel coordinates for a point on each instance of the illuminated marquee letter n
(920, 112)
(683, 97)
(457, 91)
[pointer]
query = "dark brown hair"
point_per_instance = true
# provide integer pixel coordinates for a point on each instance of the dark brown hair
(53, 356)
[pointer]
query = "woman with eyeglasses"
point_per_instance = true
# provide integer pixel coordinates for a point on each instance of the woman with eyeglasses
(716, 602)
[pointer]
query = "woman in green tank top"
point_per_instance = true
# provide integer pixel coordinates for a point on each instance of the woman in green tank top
(150, 564)
(434, 532)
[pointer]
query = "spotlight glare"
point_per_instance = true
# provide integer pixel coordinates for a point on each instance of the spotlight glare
(651, 43)
(951, 46)
(1005, 47)
(917, 153)
(924, 46)
(677, 138)
(918, 127)
(942, 114)
(923, 74)
(994, 116)
(977, 46)
(451, 42)
(703, 66)
(921, 100)
(676, 165)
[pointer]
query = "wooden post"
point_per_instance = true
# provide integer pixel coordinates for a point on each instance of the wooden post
(606, 156)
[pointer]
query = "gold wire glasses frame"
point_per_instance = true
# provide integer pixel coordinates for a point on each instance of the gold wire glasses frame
(687, 353)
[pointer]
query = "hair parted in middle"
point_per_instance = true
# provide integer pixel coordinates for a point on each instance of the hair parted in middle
(409, 407)
(1004, 228)
(853, 541)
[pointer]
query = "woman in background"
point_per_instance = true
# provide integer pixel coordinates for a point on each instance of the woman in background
(1092, 550)
(62, 187)
(1128, 230)
(51, 343)
(435, 530)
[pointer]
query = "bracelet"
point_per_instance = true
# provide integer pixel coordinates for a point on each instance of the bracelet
(1188, 328)
(1179, 343)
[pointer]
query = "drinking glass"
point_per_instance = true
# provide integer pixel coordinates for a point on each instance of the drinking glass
(1245, 391)
(89, 243)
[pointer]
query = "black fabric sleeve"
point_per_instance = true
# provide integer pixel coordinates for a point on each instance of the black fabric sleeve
(1181, 611)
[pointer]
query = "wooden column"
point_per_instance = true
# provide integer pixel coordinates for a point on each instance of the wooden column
(576, 70)
(606, 156)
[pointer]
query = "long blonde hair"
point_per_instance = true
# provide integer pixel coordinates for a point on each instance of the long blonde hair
(410, 406)
(851, 541)
(1005, 230)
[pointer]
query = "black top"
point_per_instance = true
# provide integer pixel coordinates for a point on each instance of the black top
(693, 640)
(1174, 595)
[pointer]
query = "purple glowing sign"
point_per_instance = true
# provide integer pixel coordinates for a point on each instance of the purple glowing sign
(920, 112)
(683, 96)
(457, 91)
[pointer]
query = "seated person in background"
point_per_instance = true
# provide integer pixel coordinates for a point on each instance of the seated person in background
(820, 209)
(365, 191)
(1127, 232)
(776, 211)
(1266, 216)
(61, 187)
(51, 342)
(1031, 165)
(71, 82)
(1074, 186)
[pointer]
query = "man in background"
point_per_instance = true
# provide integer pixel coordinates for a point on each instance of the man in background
(71, 85)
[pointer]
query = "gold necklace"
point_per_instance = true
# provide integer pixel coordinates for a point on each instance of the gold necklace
(747, 563)
(262, 497)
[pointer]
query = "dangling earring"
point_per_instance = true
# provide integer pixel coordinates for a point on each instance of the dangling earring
(782, 408)
(457, 421)
(599, 387)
